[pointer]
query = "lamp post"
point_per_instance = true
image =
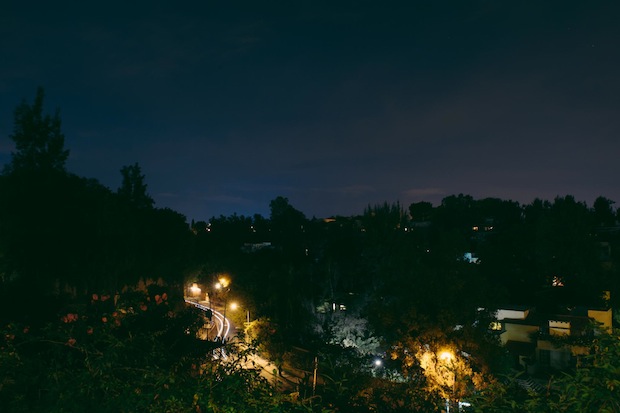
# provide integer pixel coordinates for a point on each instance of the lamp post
(234, 306)
(195, 291)
(448, 358)
(222, 284)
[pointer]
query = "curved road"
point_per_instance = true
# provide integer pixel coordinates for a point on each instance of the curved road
(267, 369)
(223, 324)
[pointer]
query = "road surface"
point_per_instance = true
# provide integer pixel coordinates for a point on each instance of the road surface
(223, 328)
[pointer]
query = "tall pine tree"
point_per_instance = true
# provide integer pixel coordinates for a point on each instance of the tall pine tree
(39, 142)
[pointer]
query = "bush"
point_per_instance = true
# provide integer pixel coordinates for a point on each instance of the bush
(130, 353)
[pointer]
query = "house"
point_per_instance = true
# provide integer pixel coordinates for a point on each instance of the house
(541, 342)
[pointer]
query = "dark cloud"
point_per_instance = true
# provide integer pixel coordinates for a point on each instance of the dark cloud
(335, 105)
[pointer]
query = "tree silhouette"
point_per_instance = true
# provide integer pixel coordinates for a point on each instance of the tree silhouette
(603, 211)
(133, 188)
(39, 142)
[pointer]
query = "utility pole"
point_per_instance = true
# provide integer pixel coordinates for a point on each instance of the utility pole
(316, 367)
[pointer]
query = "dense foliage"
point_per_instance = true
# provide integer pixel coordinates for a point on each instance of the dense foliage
(593, 387)
(129, 353)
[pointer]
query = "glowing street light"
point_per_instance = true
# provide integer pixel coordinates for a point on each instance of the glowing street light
(222, 283)
(447, 357)
(195, 290)
(234, 306)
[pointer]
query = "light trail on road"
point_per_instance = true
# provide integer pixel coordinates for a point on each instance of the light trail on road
(223, 323)
(267, 369)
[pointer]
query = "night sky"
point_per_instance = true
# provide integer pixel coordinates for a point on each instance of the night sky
(335, 105)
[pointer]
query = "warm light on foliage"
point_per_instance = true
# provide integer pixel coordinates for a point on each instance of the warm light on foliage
(447, 372)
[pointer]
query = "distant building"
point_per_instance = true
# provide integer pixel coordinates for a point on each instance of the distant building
(257, 246)
(532, 337)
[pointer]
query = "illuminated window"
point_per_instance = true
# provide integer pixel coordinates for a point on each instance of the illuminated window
(495, 326)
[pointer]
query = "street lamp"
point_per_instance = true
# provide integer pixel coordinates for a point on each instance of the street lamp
(222, 284)
(195, 290)
(234, 306)
(448, 358)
